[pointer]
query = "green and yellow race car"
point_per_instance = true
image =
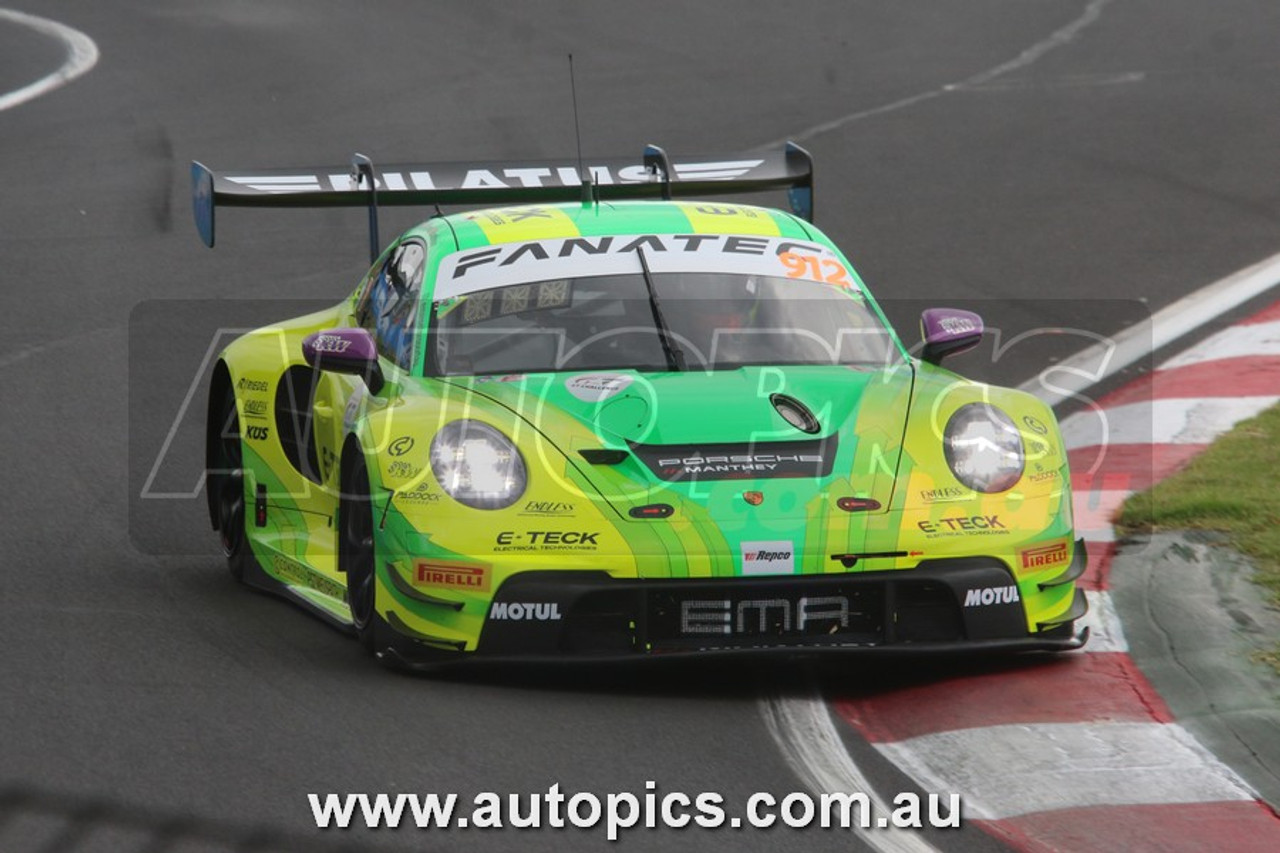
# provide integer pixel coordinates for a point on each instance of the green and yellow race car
(599, 419)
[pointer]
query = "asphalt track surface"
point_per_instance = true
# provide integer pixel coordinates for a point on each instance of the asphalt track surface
(144, 693)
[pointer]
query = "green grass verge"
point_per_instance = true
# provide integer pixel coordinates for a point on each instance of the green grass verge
(1232, 487)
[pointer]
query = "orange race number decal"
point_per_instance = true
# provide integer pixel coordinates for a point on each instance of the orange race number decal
(818, 269)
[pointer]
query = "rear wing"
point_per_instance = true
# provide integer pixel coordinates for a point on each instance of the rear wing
(362, 184)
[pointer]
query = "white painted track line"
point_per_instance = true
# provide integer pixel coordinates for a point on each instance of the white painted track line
(803, 728)
(1010, 770)
(1070, 378)
(1105, 632)
(1172, 421)
(82, 55)
(1236, 342)
(1056, 39)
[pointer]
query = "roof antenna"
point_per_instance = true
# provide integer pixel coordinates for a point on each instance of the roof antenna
(587, 180)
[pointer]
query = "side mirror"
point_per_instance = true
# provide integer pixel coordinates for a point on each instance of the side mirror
(948, 331)
(349, 351)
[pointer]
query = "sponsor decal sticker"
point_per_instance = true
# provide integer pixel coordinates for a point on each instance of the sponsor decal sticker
(517, 263)
(251, 385)
(547, 508)
(297, 574)
(451, 576)
(525, 611)
(551, 174)
(402, 470)
(973, 524)
(401, 445)
(257, 433)
(1045, 555)
(352, 412)
(1038, 448)
(987, 596)
(546, 540)
(1035, 425)
(255, 408)
(957, 325)
(594, 387)
(768, 558)
(419, 494)
(771, 615)
(331, 343)
(945, 493)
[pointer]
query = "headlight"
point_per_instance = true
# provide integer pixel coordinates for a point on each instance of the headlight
(983, 448)
(478, 466)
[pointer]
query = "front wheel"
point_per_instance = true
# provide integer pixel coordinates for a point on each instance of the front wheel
(357, 554)
(225, 481)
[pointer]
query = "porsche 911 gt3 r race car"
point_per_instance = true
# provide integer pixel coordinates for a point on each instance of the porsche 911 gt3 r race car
(600, 420)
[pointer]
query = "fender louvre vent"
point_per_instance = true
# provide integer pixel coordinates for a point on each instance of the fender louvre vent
(602, 456)
(293, 420)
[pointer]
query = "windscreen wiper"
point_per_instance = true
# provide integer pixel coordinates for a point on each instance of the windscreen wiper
(675, 356)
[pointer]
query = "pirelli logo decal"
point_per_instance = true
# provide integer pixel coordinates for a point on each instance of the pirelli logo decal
(1044, 556)
(451, 576)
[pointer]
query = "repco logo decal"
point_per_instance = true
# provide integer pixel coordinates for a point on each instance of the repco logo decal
(768, 558)
(987, 596)
(1047, 555)
(257, 433)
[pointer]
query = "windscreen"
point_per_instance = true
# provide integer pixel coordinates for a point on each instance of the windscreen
(662, 321)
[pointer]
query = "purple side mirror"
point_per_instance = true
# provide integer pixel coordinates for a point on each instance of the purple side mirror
(948, 331)
(350, 351)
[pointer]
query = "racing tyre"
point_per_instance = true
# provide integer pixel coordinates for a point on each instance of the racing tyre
(357, 556)
(226, 484)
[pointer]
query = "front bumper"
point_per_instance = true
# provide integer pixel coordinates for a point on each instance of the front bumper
(965, 605)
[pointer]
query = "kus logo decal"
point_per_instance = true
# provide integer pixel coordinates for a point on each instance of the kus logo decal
(768, 558)
(1046, 555)
(466, 578)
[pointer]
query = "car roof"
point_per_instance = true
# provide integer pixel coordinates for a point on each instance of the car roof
(492, 226)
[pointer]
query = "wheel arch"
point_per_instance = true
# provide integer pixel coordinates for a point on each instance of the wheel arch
(219, 385)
